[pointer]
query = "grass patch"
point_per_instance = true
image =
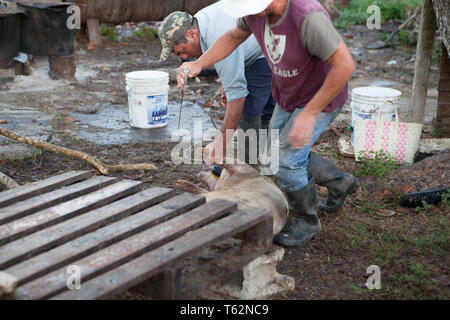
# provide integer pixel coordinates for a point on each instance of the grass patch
(409, 249)
(110, 33)
(417, 282)
(357, 289)
(145, 33)
(386, 248)
(445, 203)
(356, 11)
(378, 164)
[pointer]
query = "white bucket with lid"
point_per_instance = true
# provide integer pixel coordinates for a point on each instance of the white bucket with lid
(367, 100)
(147, 98)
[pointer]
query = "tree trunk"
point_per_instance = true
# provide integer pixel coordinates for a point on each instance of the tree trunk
(422, 69)
(442, 10)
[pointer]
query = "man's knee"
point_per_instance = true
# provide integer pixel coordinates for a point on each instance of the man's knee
(291, 180)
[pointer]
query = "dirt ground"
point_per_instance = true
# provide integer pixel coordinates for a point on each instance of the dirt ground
(410, 246)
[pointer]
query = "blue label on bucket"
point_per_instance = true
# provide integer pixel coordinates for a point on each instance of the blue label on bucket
(157, 109)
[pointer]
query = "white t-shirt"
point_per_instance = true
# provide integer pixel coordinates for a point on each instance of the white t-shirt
(213, 22)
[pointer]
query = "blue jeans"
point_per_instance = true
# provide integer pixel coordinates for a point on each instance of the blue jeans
(259, 82)
(292, 173)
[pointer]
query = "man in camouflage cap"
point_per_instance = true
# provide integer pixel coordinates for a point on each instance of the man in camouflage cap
(173, 28)
(245, 74)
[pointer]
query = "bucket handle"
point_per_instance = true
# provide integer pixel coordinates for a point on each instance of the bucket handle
(379, 111)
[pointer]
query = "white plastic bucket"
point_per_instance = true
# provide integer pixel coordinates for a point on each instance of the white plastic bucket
(147, 98)
(367, 100)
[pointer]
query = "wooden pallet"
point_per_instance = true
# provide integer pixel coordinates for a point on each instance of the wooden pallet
(118, 236)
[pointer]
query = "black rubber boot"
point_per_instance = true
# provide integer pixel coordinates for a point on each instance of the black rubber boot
(246, 123)
(306, 221)
(339, 183)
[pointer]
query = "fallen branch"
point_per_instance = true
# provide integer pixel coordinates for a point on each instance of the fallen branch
(123, 167)
(75, 154)
(52, 148)
(404, 24)
(391, 36)
(7, 181)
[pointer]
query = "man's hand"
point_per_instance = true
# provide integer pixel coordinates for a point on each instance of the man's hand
(342, 67)
(194, 70)
(223, 97)
(301, 130)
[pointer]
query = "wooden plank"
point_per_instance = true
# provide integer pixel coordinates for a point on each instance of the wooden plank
(444, 85)
(256, 241)
(444, 96)
(162, 286)
(443, 110)
(58, 234)
(153, 262)
(22, 208)
(444, 123)
(218, 269)
(445, 65)
(94, 241)
(38, 187)
(103, 237)
(122, 252)
(444, 76)
(51, 216)
(9, 73)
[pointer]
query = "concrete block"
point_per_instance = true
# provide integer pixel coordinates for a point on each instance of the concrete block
(345, 147)
(7, 283)
(434, 145)
(257, 280)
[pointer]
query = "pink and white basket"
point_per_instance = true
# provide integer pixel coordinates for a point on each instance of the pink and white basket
(398, 139)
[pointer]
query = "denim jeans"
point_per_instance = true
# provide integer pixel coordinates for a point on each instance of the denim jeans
(259, 82)
(292, 173)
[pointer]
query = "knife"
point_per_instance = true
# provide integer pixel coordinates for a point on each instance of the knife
(186, 71)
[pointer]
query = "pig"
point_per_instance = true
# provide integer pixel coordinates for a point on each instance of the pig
(244, 185)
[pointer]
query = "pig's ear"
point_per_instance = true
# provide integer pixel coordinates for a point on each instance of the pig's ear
(241, 169)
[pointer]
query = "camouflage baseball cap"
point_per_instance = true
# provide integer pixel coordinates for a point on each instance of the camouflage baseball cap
(172, 28)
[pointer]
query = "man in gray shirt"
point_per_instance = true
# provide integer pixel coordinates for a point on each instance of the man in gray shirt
(245, 75)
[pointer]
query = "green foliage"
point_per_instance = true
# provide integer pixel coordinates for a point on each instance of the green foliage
(438, 133)
(356, 11)
(445, 203)
(424, 209)
(77, 34)
(406, 38)
(110, 33)
(378, 165)
(145, 33)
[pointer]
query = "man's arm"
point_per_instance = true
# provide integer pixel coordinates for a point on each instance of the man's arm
(220, 49)
(342, 67)
(232, 118)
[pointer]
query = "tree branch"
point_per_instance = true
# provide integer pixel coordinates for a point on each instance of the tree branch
(75, 154)
(7, 181)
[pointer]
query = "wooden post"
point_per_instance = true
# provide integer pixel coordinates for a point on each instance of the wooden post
(422, 69)
(443, 112)
(163, 286)
(94, 31)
